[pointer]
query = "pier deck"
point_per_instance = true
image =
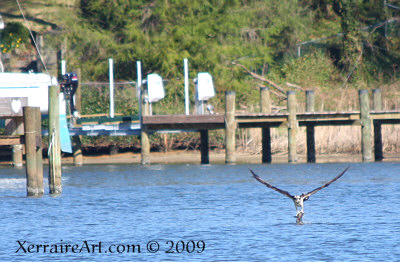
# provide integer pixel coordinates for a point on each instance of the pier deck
(260, 120)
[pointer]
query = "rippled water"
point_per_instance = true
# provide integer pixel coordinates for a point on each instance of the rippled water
(218, 212)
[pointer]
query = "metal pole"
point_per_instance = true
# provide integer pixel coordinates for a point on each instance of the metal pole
(111, 75)
(63, 67)
(186, 71)
(139, 86)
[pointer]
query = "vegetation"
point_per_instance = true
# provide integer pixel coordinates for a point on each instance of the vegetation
(344, 45)
(14, 36)
(262, 36)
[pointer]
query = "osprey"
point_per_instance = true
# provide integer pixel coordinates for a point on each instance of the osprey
(298, 200)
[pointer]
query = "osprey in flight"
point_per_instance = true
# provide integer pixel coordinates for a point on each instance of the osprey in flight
(298, 200)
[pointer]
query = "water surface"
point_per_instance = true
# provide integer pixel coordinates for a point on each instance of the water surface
(222, 206)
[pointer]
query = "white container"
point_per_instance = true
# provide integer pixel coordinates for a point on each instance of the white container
(205, 86)
(155, 88)
(35, 87)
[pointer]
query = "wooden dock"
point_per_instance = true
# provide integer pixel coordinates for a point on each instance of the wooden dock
(260, 120)
(369, 121)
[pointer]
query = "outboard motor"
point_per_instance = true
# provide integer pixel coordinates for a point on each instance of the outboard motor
(69, 84)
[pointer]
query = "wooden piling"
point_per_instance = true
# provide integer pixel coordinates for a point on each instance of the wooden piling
(39, 149)
(310, 129)
(144, 135)
(78, 91)
(76, 140)
(265, 102)
(32, 183)
(204, 147)
(230, 127)
(377, 99)
(378, 144)
(55, 186)
(15, 127)
(77, 150)
(292, 126)
(17, 155)
(366, 142)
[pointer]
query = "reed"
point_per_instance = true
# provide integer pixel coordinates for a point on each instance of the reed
(328, 140)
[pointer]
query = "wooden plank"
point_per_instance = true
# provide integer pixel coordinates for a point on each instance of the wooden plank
(331, 122)
(11, 140)
(11, 107)
(328, 116)
(387, 115)
(262, 124)
(262, 120)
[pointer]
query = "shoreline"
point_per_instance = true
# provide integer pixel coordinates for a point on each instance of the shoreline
(193, 157)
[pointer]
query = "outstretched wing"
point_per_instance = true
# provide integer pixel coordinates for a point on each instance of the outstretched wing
(327, 184)
(271, 186)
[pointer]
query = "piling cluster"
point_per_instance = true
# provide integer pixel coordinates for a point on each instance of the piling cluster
(33, 147)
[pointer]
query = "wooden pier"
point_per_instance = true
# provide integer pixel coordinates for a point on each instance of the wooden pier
(369, 121)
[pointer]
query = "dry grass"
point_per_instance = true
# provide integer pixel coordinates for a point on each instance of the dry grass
(328, 140)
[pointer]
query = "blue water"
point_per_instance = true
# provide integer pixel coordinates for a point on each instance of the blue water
(205, 213)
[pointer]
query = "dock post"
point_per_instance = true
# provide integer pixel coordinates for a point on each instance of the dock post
(32, 186)
(292, 126)
(144, 135)
(76, 140)
(17, 155)
(55, 186)
(15, 127)
(378, 145)
(204, 147)
(265, 131)
(77, 150)
(310, 105)
(39, 149)
(230, 127)
(78, 91)
(366, 142)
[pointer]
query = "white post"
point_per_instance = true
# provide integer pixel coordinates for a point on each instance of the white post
(186, 71)
(139, 77)
(111, 74)
(139, 86)
(63, 67)
(2, 26)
